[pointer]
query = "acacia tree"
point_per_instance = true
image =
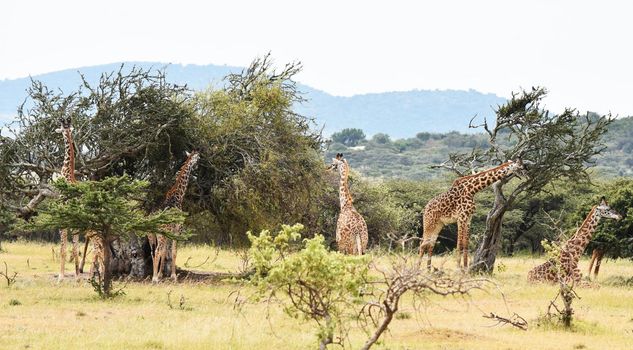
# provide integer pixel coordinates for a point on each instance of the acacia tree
(130, 121)
(266, 166)
(553, 146)
(349, 136)
(109, 208)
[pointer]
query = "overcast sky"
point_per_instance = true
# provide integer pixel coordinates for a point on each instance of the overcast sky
(580, 50)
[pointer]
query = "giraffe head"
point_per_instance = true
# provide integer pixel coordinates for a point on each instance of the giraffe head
(517, 168)
(65, 124)
(603, 210)
(193, 157)
(338, 163)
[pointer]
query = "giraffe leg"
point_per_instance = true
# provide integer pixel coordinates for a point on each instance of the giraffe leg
(76, 254)
(63, 234)
(593, 259)
(359, 249)
(465, 250)
(431, 229)
(100, 261)
(598, 262)
(97, 258)
(83, 256)
(174, 277)
(458, 250)
(151, 238)
(463, 228)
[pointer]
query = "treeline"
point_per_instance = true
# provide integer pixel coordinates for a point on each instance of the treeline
(262, 164)
(382, 157)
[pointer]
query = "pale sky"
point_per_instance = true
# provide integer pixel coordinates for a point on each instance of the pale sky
(580, 50)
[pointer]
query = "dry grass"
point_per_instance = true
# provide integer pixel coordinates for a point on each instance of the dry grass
(54, 316)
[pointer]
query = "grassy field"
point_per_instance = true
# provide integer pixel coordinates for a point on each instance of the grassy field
(38, 313)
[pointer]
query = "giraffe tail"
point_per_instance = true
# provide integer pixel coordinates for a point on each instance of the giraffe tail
(358, 245)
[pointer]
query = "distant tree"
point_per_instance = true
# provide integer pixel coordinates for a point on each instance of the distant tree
(111, 209)
(423, 136)
(554, 147)
(349, 137)
(381, 138)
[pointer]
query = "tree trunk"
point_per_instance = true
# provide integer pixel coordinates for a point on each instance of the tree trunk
(132, 257)
(486, 253)
(328, 338)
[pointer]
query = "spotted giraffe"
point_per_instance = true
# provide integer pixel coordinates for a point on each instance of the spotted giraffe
(68, 172)
(458, 205)
(351, 229)
(572, 249)
(173, 199)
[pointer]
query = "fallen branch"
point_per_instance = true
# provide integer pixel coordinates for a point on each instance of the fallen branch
(515, 321)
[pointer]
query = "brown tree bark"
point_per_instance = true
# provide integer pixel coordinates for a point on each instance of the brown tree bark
(486, 253)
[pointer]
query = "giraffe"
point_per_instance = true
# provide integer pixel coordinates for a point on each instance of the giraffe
(457, 205)
(351, 229)
(573, 249)
(173, 199)
(596, 257)
(68, 172)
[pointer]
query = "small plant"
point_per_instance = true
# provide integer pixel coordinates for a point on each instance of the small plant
(97, 286)
(403, 315)
(312, 284)
(14, 302)
(564, 313)
(181, 302)
(10, 279)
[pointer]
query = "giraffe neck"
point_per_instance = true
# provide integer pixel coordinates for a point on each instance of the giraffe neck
(345, 196)
(176, 193)
(477, 182)
(579, 241)
(68, 168)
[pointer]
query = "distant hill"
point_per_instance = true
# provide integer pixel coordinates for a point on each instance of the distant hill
(411, 158)
(399, 114)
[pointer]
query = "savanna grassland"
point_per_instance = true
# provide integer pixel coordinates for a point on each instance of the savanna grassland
(36, 312)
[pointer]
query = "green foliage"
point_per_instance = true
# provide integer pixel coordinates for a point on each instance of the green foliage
(264, 165)
(317, 284)
(109, 207)
(349, 137)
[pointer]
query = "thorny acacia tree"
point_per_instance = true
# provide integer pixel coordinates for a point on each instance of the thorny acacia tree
(554, 147)
(130, 121)
(266, 166)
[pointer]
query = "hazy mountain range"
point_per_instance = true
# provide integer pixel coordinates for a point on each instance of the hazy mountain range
(399, 114)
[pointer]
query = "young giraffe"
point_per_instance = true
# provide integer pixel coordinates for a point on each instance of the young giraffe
(351, 229)
(458, 205)
(68, 172)
(573, 249)
(173, 199)
(596, 257)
